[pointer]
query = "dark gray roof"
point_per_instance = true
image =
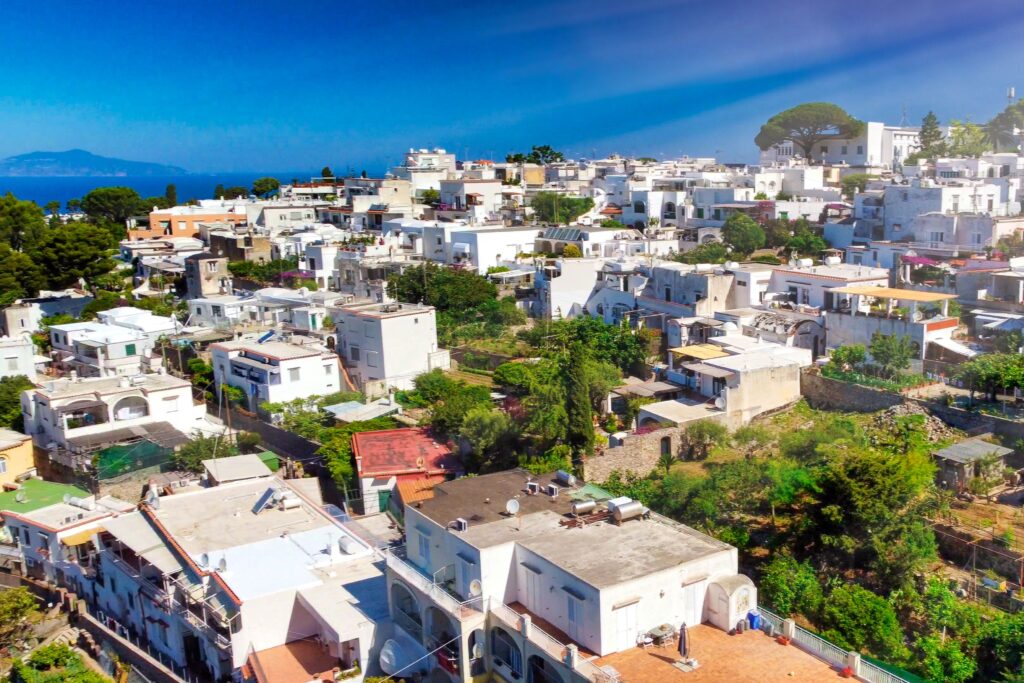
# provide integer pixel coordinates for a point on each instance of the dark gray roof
(467, 498)
(971, 450)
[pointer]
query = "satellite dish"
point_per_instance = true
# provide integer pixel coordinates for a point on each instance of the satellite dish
(390, 654)
(222, 566)
(512, 506)
(204, 560)
(475, 587)
(478, 650)
(720, 403)
(67, 498)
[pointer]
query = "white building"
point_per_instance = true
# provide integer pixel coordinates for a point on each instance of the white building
(18, 357)
(602, 584)
(73, 417)
(386, 346)
(100, 350)
(249, 573)
(276, 371)
(878, 147)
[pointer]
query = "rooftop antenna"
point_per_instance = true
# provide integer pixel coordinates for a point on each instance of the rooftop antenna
(1011, 94)
(903, 117)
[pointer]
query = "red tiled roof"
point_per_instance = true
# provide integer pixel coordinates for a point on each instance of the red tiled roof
(401, 451)
(611, 210)
(296, 662)
(414, 490)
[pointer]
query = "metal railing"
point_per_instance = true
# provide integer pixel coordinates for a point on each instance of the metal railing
(819, 647)
(824, 650)
(426, 585)
(553, 647)
(876, 674)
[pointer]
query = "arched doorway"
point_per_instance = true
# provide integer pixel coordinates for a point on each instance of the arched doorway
(131, 408)
(406, 611)
(505, 652)
(540, 670)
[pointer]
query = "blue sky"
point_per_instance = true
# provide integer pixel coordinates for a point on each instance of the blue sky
(252, 85)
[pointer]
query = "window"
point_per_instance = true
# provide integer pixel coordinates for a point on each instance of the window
(353, 353)
(896, 227)
(860, 149)
(328, 370)
(372, 358)
(170, 404)
(182, 225)
(3, 465)
(424, 548)
(824, 149)
(293, 374)
(129, 349)
(12, 362)
(211, 266)
(805, 296)
(991, 204)
(504, 648)
(842, 150)
(938, 237)
(975, 238)
(370, 330)
(666, 445)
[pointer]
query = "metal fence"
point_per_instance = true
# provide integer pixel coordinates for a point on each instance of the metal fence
(829, 652)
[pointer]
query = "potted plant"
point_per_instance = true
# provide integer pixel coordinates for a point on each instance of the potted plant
(847, 672)
(782, 640)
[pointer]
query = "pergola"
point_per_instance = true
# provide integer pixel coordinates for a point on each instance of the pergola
(891, 295)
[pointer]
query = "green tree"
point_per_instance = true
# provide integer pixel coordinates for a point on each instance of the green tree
(1002, 130)
(999, 647)
(612, 223)
(218, 192)
(53, 208)
(430, 197)
(22, 224)
(709, 252)
(10, 400)
(806, 125)
(551, 207)
(261, 187)
(992, 372)
(448, 414)
(571, 251)
(74, 205)
(114, 205)
(236, 192)
(806, 242)
(79, 251)
(701, 435)
(18, 611)
(891, 353)
(967, 139)
(845, 358)
(491, 435)
(445, 288)
(743, 234)
(540, 154)
(202, 447)
(857, 619)
(326, 172)
(790, 587)
(855, 182)
(555, 458)
(171, 194)
(578, 408)
(20, 275)
(930, 136)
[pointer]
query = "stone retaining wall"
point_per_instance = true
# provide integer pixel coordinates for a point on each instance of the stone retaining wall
(832, 394)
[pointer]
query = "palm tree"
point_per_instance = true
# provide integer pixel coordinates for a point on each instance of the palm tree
(666, 461)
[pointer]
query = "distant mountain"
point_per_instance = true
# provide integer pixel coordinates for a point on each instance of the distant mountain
(78, 162)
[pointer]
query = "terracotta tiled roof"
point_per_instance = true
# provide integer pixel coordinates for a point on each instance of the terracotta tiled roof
(413, 490)
(390, 452)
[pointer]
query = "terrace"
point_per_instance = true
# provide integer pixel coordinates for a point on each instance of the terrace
(753, 657)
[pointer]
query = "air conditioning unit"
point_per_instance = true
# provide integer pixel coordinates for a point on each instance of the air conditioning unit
(552, 490)
(461, 524)
(532, 488)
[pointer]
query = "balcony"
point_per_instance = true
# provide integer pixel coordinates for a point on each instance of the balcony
(553, 647)
(447, 601)
(199, 625)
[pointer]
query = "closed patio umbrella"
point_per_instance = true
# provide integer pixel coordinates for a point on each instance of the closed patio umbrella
(684, 642)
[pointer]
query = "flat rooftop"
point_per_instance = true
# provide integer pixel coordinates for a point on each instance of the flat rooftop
(277, 350)
(681, 410)
(971, 450)
(637, 548)
(752, 657)
(67, 388)
(35, 494)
